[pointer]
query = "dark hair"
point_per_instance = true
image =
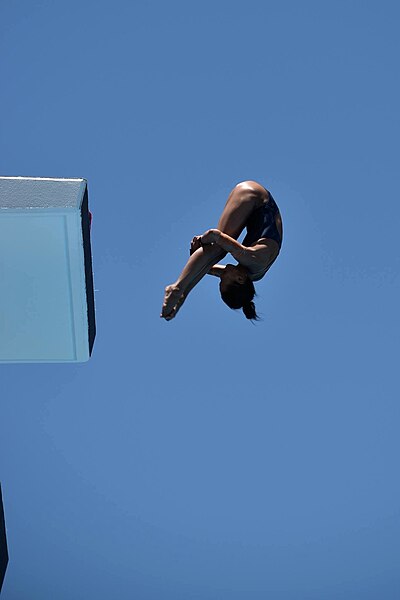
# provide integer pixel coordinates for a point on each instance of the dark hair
(240, 295)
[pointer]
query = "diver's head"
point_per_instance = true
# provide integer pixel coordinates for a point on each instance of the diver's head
(237, 290)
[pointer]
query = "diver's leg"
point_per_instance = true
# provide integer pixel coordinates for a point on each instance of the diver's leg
(199, 263)
(242, 201)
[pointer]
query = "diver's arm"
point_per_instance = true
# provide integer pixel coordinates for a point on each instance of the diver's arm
(242, 254)
(248, 256)
(224, 241)
(216, 270)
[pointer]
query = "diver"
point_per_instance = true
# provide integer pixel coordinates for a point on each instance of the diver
(250, 206)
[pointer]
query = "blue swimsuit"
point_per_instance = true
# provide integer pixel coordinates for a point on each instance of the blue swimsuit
(261, 224)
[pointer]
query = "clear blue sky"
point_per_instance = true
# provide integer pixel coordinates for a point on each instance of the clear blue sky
(207, 458)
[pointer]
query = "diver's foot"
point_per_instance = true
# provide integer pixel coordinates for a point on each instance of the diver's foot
(173, 300)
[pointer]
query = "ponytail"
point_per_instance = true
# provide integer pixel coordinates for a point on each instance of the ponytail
(249, 311)
(241, 296)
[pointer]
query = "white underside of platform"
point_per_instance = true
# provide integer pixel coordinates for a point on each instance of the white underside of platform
(43, 305)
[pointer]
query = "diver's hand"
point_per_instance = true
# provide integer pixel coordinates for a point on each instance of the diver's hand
(195, 244)
(211, 236)
(173, 300)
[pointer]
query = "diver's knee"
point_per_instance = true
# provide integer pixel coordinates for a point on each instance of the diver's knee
(242, 185)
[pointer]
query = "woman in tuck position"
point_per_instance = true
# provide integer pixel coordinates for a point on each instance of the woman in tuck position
(249, 206)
